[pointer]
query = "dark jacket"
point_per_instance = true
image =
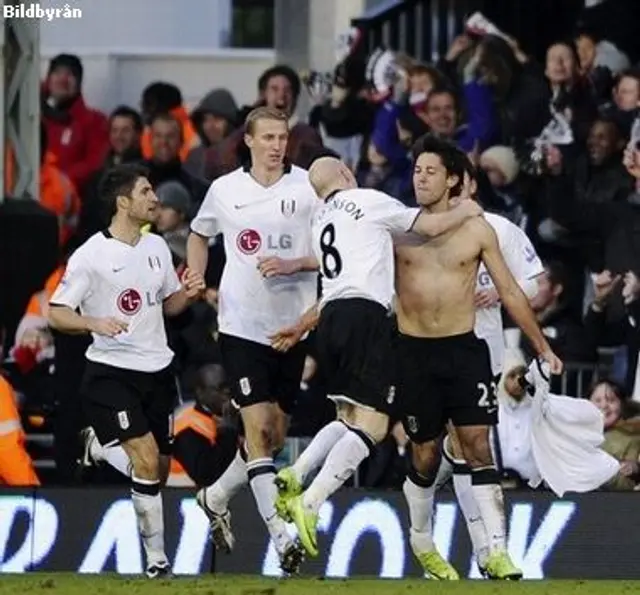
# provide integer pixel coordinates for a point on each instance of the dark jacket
(218, 102)
(566, 336)
(616, 225)
(354, 116)
(624, 331)
(174, 170)
(204, 462)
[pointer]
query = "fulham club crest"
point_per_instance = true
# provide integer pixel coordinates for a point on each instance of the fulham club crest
(288, 207)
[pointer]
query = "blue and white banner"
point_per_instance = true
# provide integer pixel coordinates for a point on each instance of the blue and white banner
(360, 533)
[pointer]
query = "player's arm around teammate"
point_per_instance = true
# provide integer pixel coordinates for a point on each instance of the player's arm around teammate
(473, 440)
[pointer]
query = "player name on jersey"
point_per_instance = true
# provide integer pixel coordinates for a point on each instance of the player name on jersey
(350, 207)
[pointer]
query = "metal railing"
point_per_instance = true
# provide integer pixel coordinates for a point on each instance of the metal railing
(424, 29)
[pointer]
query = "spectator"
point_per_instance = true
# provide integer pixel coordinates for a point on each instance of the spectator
(596, 177)
(501, 167)
(519, 90)
(164, 163)
(387, 167)
(621, 432)
(570, 92)
(279, 88)
(624, 331)
(57, 193)
(422, 79)
(626, 100)
(560, 325)
(173, 219)
(205, 439)
(166, 99)
(77, 134)
(443, 115)
(215, 118)
(615, 224)
(16, 466)
(346, 116)
(597, 64)
(125, 128)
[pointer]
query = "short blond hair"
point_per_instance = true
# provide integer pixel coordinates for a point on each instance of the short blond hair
(263, 113)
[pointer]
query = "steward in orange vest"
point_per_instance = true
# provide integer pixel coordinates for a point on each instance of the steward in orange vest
(166, 98)
(204, 443)
(16, 466)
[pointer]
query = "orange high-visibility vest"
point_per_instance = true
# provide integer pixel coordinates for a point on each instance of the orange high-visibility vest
(16, 466)
(58, 195)
(190, 138)
(188, 418)
(39, 303)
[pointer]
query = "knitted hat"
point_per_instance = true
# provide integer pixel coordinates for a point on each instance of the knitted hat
(503, 159)
(174, 195)
(70, 61)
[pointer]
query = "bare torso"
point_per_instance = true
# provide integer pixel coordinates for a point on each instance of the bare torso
(436, 282)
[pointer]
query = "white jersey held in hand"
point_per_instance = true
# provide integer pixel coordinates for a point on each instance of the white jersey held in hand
(352, 241)
(258, 221)
(566, 435)
(107, 278)
(524, 264)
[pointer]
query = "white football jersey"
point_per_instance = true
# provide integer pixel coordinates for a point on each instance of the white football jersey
(352, 240)
(107, 278)
(258, 221)
(524, 264)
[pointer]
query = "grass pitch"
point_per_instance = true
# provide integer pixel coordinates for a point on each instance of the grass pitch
(72, 584)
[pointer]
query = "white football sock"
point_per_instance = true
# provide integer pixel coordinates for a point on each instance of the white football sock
(471, 513)
(341, 463)
(217, 496)
(149, 513)
(420, 503)
(318, 449)
(262, 474)
(489, 498)
(112, 455)
(445, 471)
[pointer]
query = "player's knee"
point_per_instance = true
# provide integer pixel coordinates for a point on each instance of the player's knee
(261, 441)
(145, 465)
(144, 456)
(425, 457)
(476, 447)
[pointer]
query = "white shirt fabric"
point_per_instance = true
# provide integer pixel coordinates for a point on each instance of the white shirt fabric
(107, 278)
(524, 264)
(514, 429)
(566, 435)
(258, 221)
(352, 241)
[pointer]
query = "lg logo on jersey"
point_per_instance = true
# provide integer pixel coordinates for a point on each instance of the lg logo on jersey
(129, 302)
(484, 279)
(249, 241)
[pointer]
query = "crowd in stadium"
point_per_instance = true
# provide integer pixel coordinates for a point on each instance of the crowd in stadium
(557, 148)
